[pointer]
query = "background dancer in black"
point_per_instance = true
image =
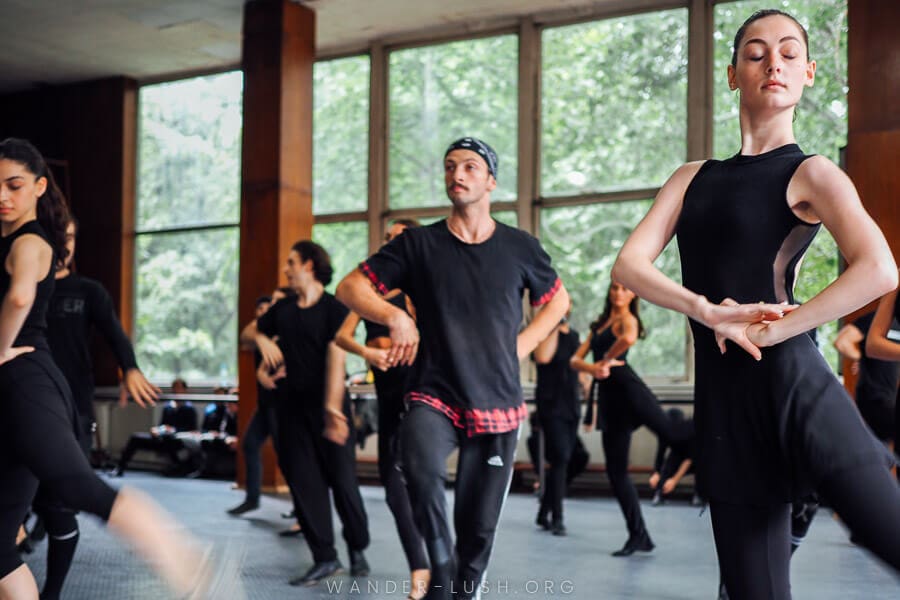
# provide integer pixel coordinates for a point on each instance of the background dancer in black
(879, 345)
(38, 436)
(79, 304)
(624, 403)
(773, 423)
(673, 461)
(305, 326)
(558, 398)
(391, 385)
(465, 276)
(876, 383)
(262, 423)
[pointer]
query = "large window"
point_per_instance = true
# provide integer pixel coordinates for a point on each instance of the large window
(441, 93)
(612, 108)
(187, 234)
(821, 117)
(341, 135)
(584, 242)
(611, 91)
(340, 166)
(614, 103)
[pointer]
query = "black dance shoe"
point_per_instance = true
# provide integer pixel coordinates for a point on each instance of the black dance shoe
(318, 572)
(245, 506)
(542, 521)
(359, 566)
(558, 529)
(641, 543)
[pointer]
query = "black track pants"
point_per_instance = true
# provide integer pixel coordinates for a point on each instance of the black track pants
(483, 475)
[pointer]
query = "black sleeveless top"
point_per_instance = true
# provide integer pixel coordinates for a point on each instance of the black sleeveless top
(556, 393)
(603, 341)
(377, 330)
(768, 431)
(34, 329)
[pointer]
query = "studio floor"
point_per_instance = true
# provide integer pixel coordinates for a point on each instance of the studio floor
(526, 562)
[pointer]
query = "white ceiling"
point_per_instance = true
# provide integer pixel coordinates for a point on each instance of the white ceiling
(61, 41)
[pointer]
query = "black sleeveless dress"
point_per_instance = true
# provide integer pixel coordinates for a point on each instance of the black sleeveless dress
(612, 395)
(767, 432)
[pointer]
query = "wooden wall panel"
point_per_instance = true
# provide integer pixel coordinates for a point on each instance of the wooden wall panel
(873, 140)
(276, 191)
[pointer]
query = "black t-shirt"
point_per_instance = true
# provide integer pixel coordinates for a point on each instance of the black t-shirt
(303, 336)
(468, 300)
(556, 393)
(880, 375)
(77, 304)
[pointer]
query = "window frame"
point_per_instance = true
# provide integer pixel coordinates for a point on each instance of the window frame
(529, 202)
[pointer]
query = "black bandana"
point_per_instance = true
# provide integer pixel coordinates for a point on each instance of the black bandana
(483, 150)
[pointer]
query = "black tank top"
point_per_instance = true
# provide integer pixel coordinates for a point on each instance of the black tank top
(556, 393)
(603, 341)
(756, 243)
(377, 330)
(34, 329)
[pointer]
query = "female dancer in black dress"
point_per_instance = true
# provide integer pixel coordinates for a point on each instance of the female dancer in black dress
(38, 435)
(773, 423)
(624, 403)
(390, 388)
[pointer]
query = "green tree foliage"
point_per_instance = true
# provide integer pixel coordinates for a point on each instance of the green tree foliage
(341, 135)
(820, 125)
(614, 118)
(189, 149)
(186, 305)
(189, 175)
(441, 93)
(583, 242)
(614, 103)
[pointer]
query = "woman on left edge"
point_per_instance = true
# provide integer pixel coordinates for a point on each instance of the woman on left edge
(38, 440)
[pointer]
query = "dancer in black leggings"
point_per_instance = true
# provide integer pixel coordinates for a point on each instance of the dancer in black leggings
(38, 436)
(773, 423)
(558, 398)
(79, 304)
(624, 403)
(466, 276)
(391, 385)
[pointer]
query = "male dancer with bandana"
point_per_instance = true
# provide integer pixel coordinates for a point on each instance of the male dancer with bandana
(466, 276)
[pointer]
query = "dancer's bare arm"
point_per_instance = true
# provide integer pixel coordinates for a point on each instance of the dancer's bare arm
(28, 261)
(357, 293)
(336, 428)
(376, 357)
(635, 270)
(848, 340)
(821, 191)
(877, 343)
(546, 318)
(545, 351)
(597, 370)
